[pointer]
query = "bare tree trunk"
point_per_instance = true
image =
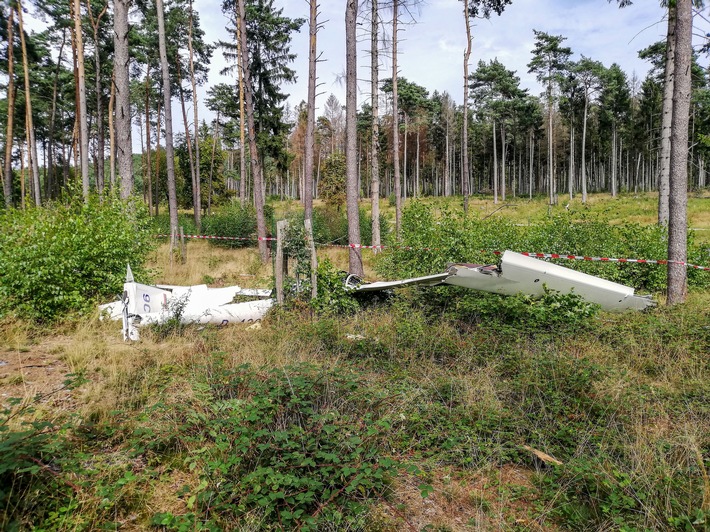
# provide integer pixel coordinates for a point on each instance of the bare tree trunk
(613, 162)
(214, 149)
(570, 180)
(197, 187)
(242, 115)
(307, 193)
(254, 153)
(495, 165)
(666, 120)
(375, 144)
(52, 181)
(464, 141)
(34, 163)
(352, 192)
(678, 185)
(147, 137)
(112, 132)
(395, 126)
(81, 111)
(188, 139)
(7, 175)
(503, 157)
(99, 105)
(124, 147)
(584, 149)
(157, 159)
(167, 104)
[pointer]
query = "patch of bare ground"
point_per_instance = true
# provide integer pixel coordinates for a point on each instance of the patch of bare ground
(35, 369)
(499, 498)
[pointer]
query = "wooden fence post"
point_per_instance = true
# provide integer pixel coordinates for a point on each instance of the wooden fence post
(314, 259)
(281, 266)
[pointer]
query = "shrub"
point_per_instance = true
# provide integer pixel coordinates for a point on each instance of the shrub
(452, 237)
(237, 221)
(297, 447)
(60, 258)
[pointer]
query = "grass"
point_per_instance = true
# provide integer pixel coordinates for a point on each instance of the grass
(144, 436)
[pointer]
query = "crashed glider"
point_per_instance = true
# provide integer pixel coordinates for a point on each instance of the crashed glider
(519, 273)
(143, 304)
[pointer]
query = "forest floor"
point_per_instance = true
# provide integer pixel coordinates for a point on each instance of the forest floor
(624, 403)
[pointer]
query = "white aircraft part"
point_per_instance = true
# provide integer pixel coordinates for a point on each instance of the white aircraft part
(429, 280)
(145, 304)
(520, 273)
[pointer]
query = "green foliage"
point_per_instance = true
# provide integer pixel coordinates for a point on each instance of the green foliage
(333, 296)
(331, 186)
(297, 447)
(235, 220)
(60, 258)
(444, 237)
(161, 224)
(552, 311)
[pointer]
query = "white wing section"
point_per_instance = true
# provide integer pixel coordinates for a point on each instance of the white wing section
(520, 273)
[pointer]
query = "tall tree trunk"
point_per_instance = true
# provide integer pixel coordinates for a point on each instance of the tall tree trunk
(584, 149)
(351, 158)
(34, 163)
(53, 185)
(307, 193)
(495, 165)
(253, 149)
(464, 141)
(678, 185)
(197, 187)
(241, 67)
(7, 172)
(112, 133)
(167, 105)
(667, 117)
(188, 138)
(503, 157)
(95, 22)
(395, 125)
(571, 177)
(148, 141)
(81, 111)
(124, 146)
(613, 162)
(375, 144)
(214, 149)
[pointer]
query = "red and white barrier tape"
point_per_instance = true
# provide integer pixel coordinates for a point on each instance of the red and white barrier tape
(527, 254)
(561, 256)
(211, 237)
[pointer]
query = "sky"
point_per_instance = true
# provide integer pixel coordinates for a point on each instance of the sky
(433, 39)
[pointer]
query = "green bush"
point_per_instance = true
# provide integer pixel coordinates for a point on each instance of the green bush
(237, 221)
(293, 448)
(161, 224)
(441, 238)
(331, 226)
(60, 258)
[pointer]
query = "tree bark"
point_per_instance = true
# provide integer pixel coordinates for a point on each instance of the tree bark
(395, 126)
(307, 193)
(99, 104)
(666, 119)
(81, 116)
(253, 149)
(34, 163)
(124, 146)
(464, 141)
(197, 190)
(375, 144)
(351, 159)
(678, 184)
(7, 173)
(167, 105)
